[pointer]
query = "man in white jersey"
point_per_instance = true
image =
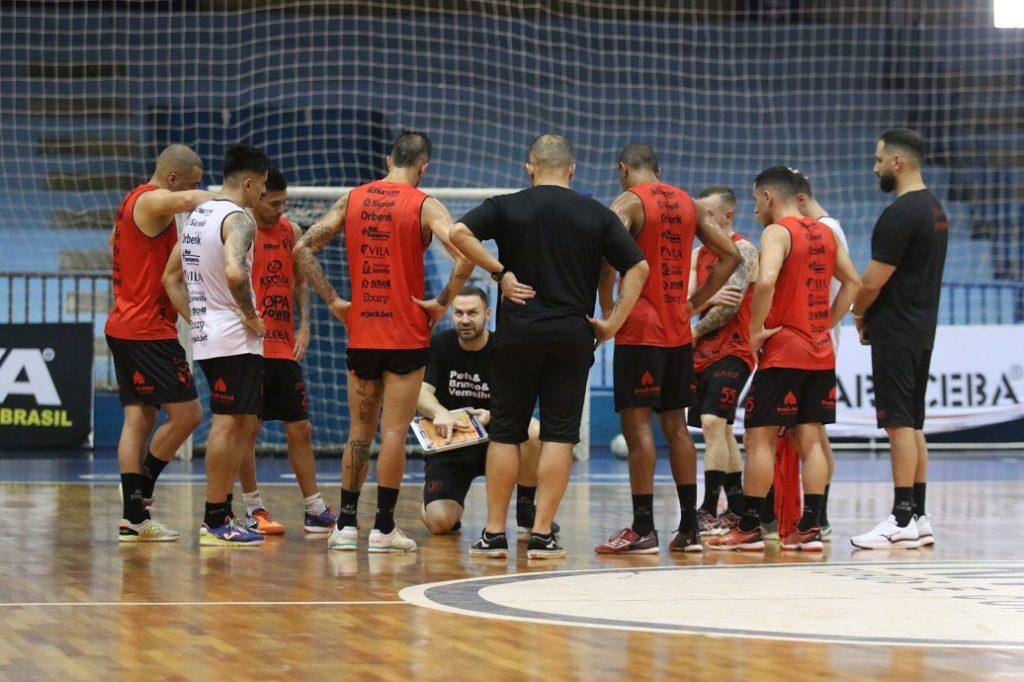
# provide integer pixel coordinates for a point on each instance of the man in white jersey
(209, 279)
(810, 208)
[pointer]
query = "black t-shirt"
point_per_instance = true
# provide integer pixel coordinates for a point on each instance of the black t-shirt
(555, 240)
(461, 378)
(910, 234)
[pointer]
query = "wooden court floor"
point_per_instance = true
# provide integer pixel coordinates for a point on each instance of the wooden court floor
(75, 604)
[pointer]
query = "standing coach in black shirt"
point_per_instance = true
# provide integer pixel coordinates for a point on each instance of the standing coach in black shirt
(551, 245)
(896, 313)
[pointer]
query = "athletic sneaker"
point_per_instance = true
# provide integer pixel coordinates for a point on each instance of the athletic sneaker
(542, 547)
(826, 533)
(147, 531)
(770, 530)
(523, 533)
(707, 523)
(628, 541)
(344, 539)
(726, 522)
(688, 541)
(320, 523)
(231, 534)
(888, 535)
(263, 523)
(737, 539)
(490, 545)
(147, 502)
(395, 542)
(924, 531)
(807, 541)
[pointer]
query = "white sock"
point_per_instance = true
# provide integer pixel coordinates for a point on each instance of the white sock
(253, 501)
(315, 504)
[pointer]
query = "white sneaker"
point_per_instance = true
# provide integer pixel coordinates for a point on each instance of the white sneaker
(924, 530)
(394, 542)
(345, 539)
(887, 535)
(147, 531)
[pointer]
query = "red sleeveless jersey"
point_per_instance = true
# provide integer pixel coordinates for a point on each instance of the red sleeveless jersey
(385, 265)
(142, 311)
(801, 302)
(733, 337)
(670, 223)
(273, 283)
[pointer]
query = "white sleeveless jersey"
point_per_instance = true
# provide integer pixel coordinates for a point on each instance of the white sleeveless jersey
(837, 231)
(217, 331)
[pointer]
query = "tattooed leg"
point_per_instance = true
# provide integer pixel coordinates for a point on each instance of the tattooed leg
(364, 400)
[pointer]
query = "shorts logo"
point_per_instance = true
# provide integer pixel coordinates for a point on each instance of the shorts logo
(140, 383)
(300, 388)
(789, 404)
(749, 407)
(880, 414)
(184, 373)
(647, 385)
(829, 403)
(433, 486)
(729, 397)
(220, 392)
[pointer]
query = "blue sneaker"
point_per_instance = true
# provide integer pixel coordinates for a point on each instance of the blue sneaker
(320, 523)
(231, 534)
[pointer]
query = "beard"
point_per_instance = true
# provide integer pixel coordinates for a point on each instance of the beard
(470, 333)
(887, 182)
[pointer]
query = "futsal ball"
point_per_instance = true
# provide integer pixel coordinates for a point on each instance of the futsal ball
(618, 447)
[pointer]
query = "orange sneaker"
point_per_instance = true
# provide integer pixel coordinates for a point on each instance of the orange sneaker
(806, 541)
(737, 539)
(263, 523)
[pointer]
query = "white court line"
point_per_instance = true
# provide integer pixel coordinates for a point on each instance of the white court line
(201, 603)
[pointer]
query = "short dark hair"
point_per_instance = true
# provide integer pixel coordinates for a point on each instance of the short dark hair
(275, 180)
(719, 190)
(639, 155)
(409, 148)
(803, 184)
(905, 140)
(780, 178)
(241, 159)
(471, 290)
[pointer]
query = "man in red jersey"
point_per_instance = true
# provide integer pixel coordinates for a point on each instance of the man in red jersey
(723, 362)
(281, 294)
(388, 226)
(653, 363)
(795, 383)
(152, 371)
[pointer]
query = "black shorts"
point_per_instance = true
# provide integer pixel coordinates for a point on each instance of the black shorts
(780, 396)
(236, 383)
(900, 378)
(448, 475)
(719, 387)
(654, 376)
(151, 372)
(284, 391)
(370, 363)
(554, 372)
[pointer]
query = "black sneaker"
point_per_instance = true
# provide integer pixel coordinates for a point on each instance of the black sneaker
(686, 541)
(544, 547)
(492, 546)
(457, 527)
(525, 530)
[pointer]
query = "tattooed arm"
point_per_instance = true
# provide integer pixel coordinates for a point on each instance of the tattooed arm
(435, 217)
(317, 237)
(741, 278)
(300, 290)
(719, 243)
(238, 231)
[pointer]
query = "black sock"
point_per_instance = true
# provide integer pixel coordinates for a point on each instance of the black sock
(643, 514)
(216, 514)
(347, 510)
(751, 518)
(919, 490)
(733, 485)
(151, 469)
(824, 508)
(768, 513)
(492, 536)
(131, 497)
(812, 512)
(687, 506)
(525, 505)
(903, 506)
(712, 489)
(227, 505)
(386, 500)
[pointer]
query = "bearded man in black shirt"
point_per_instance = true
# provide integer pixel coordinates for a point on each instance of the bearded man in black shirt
(897, 312)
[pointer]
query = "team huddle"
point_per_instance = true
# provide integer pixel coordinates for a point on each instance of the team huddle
(240, 275)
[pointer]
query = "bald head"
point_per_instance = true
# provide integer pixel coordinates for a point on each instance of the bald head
(550, 152)
(177, 158)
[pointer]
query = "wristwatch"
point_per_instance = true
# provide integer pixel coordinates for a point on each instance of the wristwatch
(496, 276)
